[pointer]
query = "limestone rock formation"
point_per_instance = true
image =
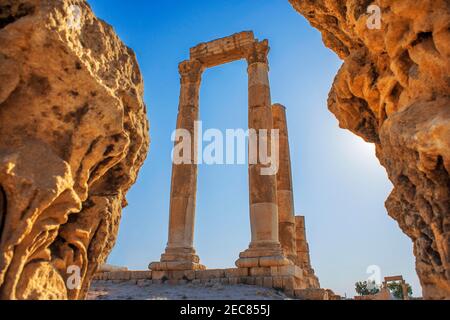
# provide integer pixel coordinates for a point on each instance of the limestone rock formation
(73, 135)
(393, 90)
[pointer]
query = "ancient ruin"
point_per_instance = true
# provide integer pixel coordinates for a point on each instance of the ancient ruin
(278, 238)
(265, 248)
(385, 293)
(73, 135)
(402, 282)
(393, 91)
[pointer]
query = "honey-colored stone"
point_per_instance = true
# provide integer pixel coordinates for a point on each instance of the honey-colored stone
(267, 282)
(393, 90)
(210, 274)
(263, 210)
(259, 271)
(73, 135)
(236, 272)
(138, 275)
(285, 198)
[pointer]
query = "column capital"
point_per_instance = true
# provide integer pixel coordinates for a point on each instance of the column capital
(258, 52)
(190, 70)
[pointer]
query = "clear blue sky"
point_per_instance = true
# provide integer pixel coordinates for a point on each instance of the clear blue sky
(339, 184)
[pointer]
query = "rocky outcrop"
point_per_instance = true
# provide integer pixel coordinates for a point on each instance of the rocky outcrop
(73, 135)
(393, 90)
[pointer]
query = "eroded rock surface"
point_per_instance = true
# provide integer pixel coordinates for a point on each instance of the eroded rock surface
(73, 135)
(393, 90)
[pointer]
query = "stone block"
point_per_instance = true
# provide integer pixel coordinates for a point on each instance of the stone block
(176, 275)
(311, 294)
(250, 281)
(274, 261)
(160, 275)
(283, 271)
(258, 77)
(189, 275)
(236, 272)
(210, 274)
(259, 272)
(262, 187)
(137, 275)
(288, 283)
(289, 292)
(260, 117)
(99, 276)
(277, 282)
(120, 275)
(247, 262)
(259, 281)
(267, 282)
(302, 246)
(301, 283)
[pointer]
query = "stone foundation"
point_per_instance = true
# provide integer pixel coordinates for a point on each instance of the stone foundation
(292, 280)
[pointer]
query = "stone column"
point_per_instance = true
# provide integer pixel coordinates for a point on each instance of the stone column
(265, 248)
(285, 197)
(303, 257)
(180, 253)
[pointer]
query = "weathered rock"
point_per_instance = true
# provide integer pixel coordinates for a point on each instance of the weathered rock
(73, 135)
(393, 90)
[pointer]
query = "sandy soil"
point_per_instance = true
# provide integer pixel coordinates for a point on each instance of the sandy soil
(107, 290)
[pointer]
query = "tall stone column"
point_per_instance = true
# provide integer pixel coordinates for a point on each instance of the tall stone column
(303, 257)
(180, 253)
(265, 248)
(285, 197)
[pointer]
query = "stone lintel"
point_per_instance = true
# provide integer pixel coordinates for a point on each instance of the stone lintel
(220, 51)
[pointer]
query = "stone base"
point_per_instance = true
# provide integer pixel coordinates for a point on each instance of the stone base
(266, 255)
(289, 278)
(177, 259)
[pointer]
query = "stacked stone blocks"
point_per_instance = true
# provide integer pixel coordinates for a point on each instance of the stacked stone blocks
(289, 279)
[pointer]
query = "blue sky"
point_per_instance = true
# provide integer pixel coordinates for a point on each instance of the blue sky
(339, 184)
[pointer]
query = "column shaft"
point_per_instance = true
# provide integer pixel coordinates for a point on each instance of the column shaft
(303, 258)
(180, 252)
(285, 198)
(184, 176)
(263, 191)
(265, 249)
